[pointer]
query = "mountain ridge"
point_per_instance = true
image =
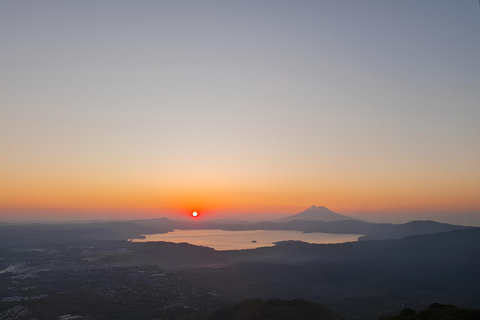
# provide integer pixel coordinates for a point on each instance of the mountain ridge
(316, 213)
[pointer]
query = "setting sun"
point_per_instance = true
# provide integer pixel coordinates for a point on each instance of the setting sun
(195, 214)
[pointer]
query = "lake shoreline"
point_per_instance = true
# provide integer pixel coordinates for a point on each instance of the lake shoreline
(224, 240)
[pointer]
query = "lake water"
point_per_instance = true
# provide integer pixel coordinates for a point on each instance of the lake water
(235, 240)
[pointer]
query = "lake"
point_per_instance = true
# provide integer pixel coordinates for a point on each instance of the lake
(236, 240)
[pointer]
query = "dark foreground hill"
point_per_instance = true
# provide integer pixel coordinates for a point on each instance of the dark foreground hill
(437, 311)
(297, 309)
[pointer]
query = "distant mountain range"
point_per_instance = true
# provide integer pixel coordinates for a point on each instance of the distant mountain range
(314, 219)
(319, 213)
(398, 231)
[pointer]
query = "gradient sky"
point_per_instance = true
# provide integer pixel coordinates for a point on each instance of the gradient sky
(138, 108)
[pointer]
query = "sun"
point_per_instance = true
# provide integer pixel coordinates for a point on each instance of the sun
(195, 214)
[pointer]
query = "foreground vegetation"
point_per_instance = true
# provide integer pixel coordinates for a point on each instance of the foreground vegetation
(437, 311)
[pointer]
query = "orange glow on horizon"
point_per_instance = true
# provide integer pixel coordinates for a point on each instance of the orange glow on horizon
(126, 197)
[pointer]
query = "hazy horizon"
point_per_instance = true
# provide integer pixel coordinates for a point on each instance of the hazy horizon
(464, 218)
